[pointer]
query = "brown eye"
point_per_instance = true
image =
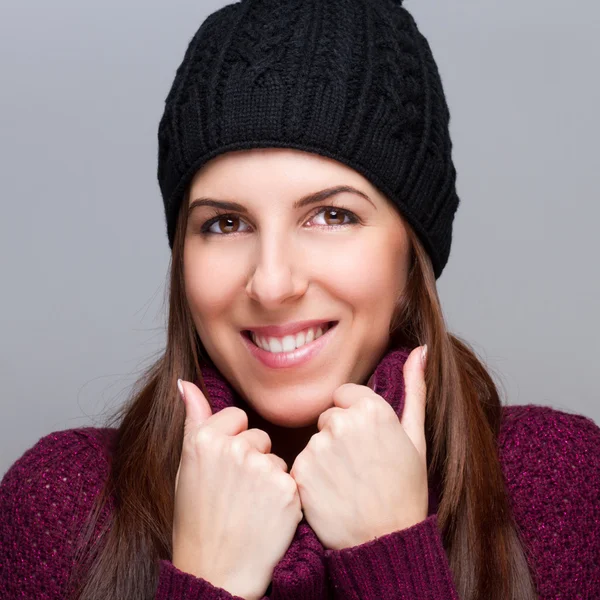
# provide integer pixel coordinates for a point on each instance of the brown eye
(335, 215)
(221, 225)
(227, 223)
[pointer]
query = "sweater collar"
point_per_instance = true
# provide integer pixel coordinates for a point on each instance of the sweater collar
(302, 571)
(388, 382)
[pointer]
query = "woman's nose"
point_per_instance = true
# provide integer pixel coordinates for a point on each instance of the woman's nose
(275, 277)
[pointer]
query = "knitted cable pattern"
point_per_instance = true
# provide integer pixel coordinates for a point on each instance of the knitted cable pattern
(348, 79)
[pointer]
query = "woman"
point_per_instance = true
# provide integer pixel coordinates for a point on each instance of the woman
(309, 190)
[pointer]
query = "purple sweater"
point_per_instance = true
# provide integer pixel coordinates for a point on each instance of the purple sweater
(550, 460)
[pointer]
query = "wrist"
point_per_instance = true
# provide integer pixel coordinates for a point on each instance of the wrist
(235, 585)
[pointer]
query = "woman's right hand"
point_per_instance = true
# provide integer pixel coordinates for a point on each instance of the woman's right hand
(236, 507)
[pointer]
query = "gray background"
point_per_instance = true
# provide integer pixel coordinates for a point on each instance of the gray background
(83, 248)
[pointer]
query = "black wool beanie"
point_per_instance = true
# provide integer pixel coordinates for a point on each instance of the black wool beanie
(352, 80)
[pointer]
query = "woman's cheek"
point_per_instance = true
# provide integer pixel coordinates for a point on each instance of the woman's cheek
(360, 272)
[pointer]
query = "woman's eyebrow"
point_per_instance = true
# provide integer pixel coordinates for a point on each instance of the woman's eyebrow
(305, 201)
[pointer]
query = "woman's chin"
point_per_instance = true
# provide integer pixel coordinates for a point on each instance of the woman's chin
(291, 416)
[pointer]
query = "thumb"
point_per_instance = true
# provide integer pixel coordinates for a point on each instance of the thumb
(413, 415)
(197, 411)
(197, 408)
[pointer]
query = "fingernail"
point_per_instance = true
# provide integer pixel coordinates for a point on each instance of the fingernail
(372, 383)
(180, 388)
(424, 355)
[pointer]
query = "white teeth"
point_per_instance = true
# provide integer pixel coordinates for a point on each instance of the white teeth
(289, 342)
(275, 345)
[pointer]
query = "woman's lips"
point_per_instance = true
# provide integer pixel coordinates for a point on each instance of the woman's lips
(295, 358)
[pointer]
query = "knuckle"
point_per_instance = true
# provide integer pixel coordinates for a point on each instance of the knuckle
(338, 424)
(290, 496)
(298, 467)
(198, 444)
(287, 487)
(256, 462)
(205, 437)
(276, 462)
(342, 390)
(370, 407)
(238, 449)
(323, 442)
(237, 413)
(266, 438)
(318, 446)
(282, 465)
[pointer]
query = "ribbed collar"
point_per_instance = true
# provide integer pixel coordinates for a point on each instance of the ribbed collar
(302, 571)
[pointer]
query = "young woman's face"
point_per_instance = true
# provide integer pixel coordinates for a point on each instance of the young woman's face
(275, 263)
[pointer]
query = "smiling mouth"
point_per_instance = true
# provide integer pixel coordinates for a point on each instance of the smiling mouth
(283, 345)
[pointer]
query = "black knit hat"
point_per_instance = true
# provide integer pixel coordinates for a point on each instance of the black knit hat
(353, 80)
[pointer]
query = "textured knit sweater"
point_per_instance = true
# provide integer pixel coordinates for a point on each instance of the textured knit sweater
(550, 460)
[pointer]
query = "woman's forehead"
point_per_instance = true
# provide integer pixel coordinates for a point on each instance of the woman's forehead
(279, 170)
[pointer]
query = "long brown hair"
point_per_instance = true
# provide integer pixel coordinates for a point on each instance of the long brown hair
(130, 526)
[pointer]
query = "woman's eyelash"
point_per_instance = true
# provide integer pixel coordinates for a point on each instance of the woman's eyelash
(353, 219)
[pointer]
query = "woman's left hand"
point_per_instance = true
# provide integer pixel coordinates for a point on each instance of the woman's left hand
(364, 474)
